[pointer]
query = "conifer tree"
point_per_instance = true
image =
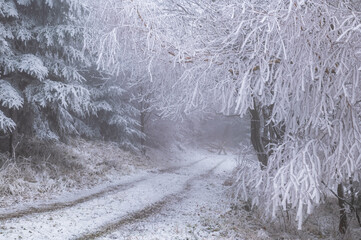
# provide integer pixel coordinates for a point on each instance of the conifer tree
(44, 90)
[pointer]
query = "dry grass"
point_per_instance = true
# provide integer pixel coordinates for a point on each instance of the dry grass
(322, 224)
(42, 170)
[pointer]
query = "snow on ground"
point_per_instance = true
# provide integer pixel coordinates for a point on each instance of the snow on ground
(49, 170)
(194, 216)
(166, 203)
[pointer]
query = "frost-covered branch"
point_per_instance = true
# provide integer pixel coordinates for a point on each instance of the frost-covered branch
(300, 57)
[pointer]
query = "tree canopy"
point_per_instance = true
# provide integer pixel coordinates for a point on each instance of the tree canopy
(297, 61)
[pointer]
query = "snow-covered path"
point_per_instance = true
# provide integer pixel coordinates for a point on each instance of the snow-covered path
(149, 206)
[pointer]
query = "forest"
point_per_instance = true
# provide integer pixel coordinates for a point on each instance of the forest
(94, 93)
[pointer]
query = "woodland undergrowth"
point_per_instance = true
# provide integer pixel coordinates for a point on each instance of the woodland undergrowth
(41, 170)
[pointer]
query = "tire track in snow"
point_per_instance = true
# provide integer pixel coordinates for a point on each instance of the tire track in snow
(149, 210)
(107, 190)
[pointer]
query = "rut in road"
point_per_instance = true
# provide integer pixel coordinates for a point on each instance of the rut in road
(67, 204)
(149, 210)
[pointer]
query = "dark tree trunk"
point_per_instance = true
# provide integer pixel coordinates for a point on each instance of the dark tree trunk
(341, 203)
(143, 118)
(142, 126)
(352, 190)
(256, 137)
(11, 144)
(11, 137)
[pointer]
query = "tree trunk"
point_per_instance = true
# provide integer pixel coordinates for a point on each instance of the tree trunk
(11, 136)
(341, 203)
(142, 126)
(256, 137)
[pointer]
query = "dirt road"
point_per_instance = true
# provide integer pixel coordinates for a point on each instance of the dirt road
(163, 204)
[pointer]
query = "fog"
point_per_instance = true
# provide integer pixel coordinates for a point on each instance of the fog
(198, 131)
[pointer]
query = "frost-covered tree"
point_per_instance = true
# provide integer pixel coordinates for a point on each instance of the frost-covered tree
(46, 84)
(40, 63)
(293, 65)
(125, 39)
(115, 118)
